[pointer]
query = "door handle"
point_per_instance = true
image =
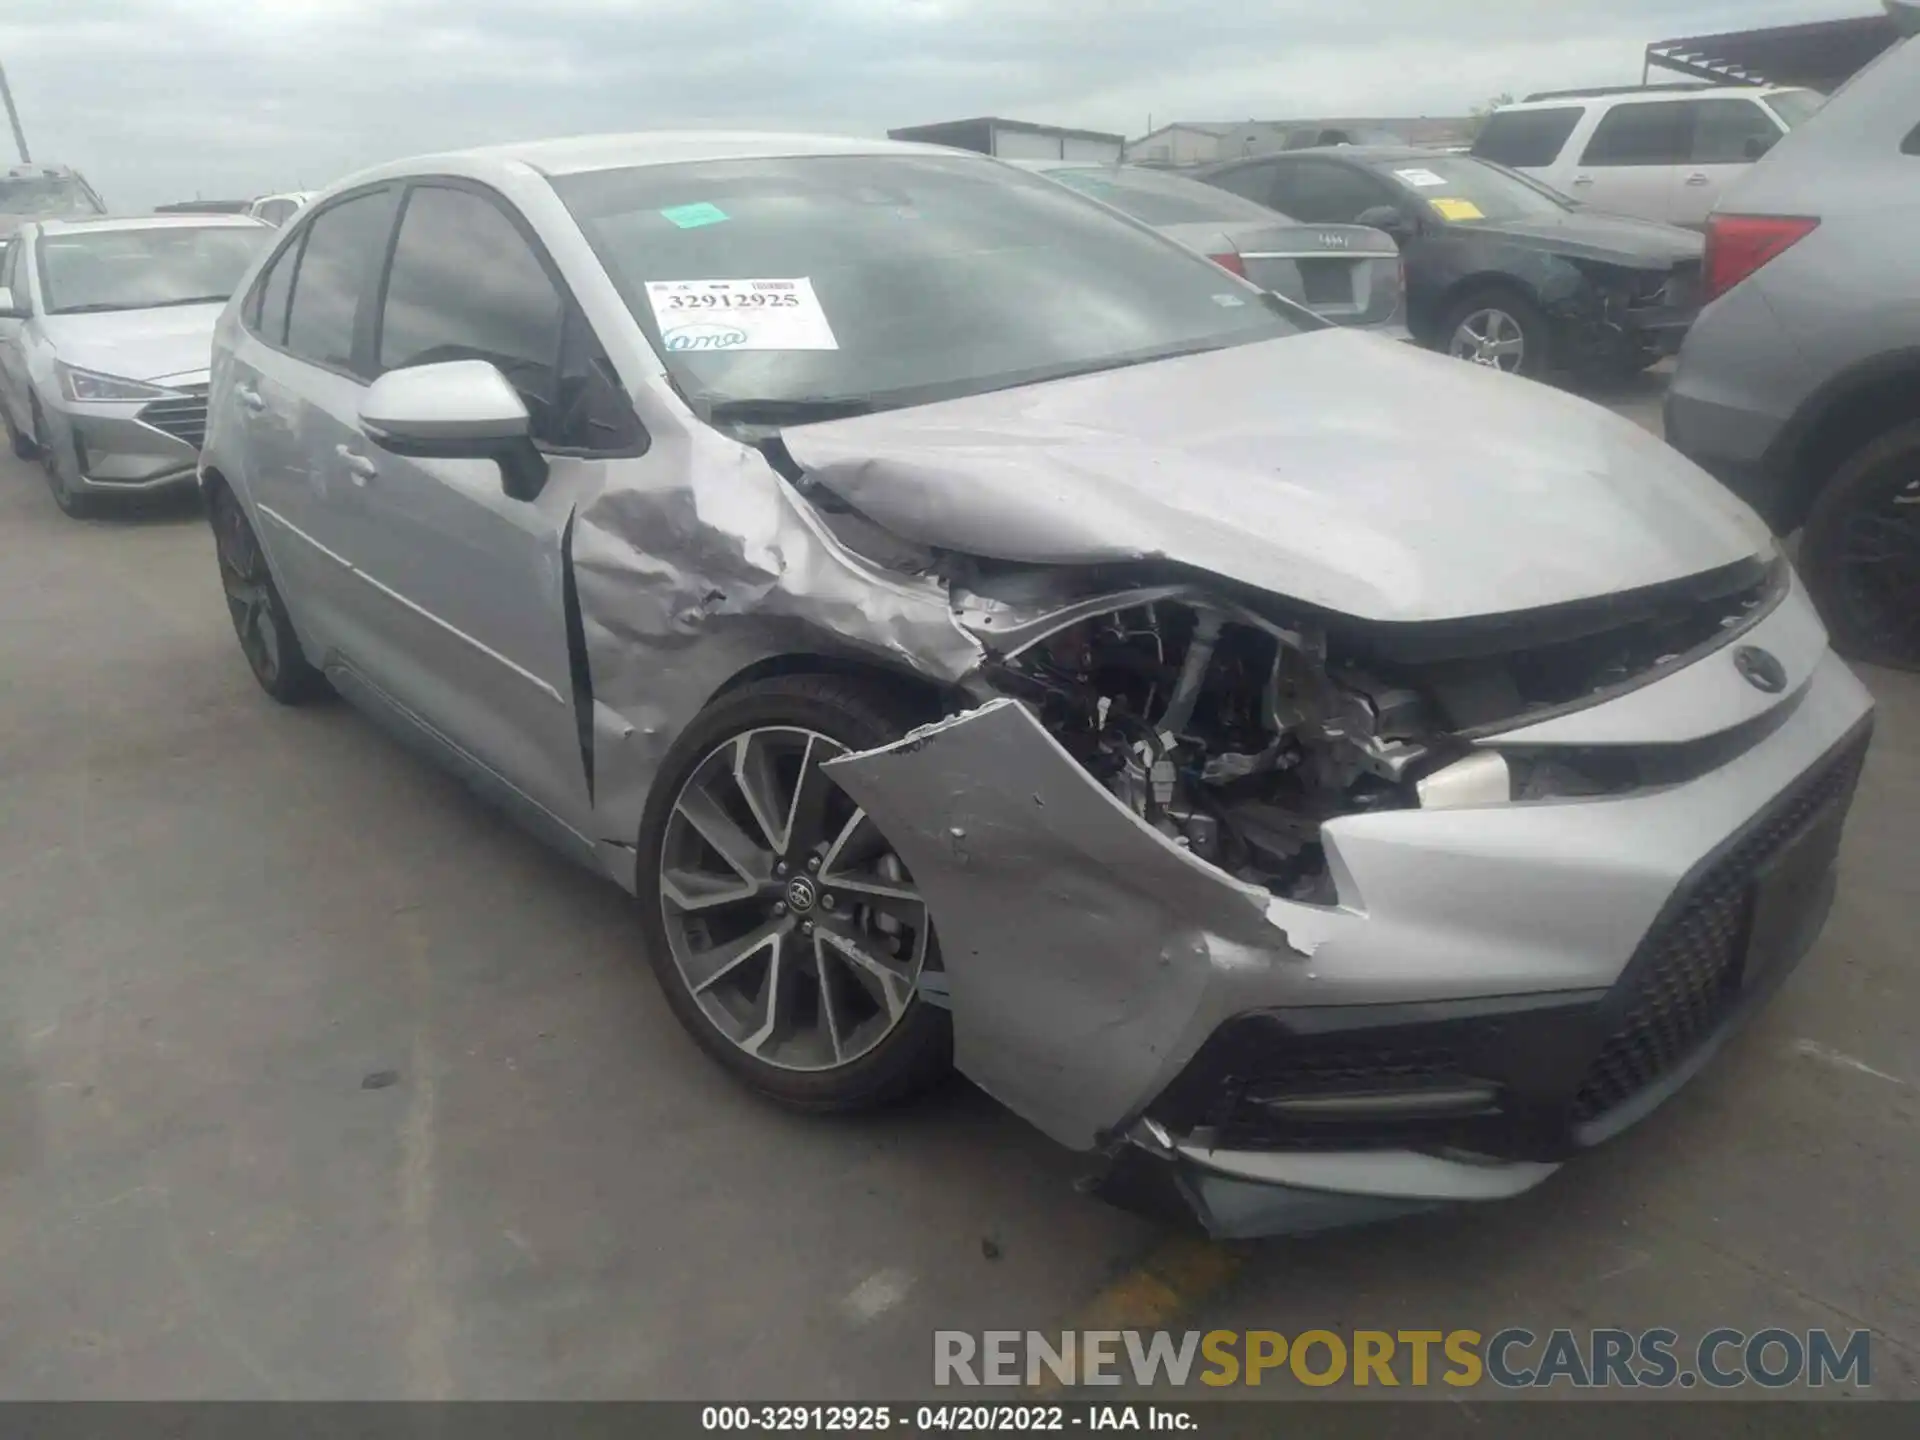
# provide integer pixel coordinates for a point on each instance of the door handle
(358, 466)
(251, 399)
(1583, 179)
(1696, 178)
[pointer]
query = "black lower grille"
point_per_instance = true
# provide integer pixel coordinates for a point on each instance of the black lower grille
(1687, 973)
(184, 417)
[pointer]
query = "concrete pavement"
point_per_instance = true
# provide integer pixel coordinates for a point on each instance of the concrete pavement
(317, 1079)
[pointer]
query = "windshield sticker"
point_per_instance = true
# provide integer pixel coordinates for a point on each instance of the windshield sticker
(1452, 209)
(740, 315)
(1422, 179)
(689, 217)
(1230, 302)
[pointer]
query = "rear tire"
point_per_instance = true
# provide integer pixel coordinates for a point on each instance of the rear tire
(1860, 551)
(793, 1018)
(259, 615)
(1499, 328)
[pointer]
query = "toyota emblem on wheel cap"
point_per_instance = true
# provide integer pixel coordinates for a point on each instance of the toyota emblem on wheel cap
(800, 896)
(1760, 669)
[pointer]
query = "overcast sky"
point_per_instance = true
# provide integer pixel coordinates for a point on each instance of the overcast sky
(159, 100)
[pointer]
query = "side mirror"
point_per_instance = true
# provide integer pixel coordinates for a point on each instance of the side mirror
(456, 410)
(1389, 218)
(9, 309)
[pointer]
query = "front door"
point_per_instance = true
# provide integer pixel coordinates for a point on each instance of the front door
(1729, 134)
(472, 583)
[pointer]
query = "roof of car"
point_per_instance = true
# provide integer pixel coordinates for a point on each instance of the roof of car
(582, 153)
(1561, 99)
(77, 224)
(1362, 153)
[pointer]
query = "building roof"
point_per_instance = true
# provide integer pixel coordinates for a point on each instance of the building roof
(915, 132)
(1822, 54)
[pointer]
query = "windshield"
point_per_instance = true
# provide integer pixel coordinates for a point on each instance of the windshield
(1795, 107)
(1464, 190)
(798, 287)
(138, 269)
(1156, 199)
(45, 196)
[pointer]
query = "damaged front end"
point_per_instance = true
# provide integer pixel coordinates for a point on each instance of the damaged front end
(1183, 816)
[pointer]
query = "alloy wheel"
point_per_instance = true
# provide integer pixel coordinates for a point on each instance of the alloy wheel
(1880, 549)
(797, 929)
(244, 578)
(1492, 338)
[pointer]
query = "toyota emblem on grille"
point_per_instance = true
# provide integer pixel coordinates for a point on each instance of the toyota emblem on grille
(1760, 669)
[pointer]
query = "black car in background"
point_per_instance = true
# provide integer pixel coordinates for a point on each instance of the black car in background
(1501, 270)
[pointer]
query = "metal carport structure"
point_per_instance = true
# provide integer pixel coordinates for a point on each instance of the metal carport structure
(1820, 55)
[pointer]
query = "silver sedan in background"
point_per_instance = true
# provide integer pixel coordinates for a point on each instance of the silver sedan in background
(105, 331)
(1349, 274)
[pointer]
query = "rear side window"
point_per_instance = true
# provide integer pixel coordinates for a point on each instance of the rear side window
(1912, 143)
(1526, 139)
(1651, 133)
(266, 313)
(1250, 182)
(1323, 193)
(1731, 132)
(344, 246)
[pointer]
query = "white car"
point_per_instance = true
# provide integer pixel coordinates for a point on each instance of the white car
(278, 209)
(1661, 152)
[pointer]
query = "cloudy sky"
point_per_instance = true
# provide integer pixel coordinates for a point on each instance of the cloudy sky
(160, 100)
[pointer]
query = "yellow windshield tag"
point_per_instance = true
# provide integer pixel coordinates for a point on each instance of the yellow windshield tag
(1451, 208)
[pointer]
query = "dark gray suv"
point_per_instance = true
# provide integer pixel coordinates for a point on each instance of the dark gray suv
(1799, 385)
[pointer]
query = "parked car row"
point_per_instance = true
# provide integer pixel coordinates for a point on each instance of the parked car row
(987, 629)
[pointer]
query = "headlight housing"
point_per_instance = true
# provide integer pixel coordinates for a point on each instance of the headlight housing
(89, 385)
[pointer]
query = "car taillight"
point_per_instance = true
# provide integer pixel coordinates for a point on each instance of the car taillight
(1738, 245)
(1231, 262)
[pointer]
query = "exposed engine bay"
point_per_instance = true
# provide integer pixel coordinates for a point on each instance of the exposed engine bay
(1230, 734)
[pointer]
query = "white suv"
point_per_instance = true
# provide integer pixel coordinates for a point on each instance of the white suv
(1662, 152)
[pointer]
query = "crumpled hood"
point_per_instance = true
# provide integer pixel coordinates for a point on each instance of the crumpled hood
(1596, 235)
(1335, 468)
(137, 344)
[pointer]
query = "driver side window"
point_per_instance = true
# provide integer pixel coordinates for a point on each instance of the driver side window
(466, 284)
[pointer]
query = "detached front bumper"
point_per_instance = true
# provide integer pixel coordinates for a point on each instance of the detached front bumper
(130, 447)
(1500, 987)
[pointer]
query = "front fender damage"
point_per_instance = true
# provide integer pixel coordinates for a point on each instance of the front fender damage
(1087, 955)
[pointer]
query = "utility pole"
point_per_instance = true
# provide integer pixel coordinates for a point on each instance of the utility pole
(13, 116)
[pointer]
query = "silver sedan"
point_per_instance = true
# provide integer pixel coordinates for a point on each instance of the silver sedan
(105, 331)
(1312, 777)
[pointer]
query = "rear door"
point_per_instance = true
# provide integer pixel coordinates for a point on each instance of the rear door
(473, 583)
(13, 393)
(1728, 135)
(301, 389)
(1632, 164)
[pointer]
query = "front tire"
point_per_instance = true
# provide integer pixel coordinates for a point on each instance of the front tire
(1860, 552)
(22, 445)
(1498, 328)
(260, 619)
(74, 502)
(787, 934)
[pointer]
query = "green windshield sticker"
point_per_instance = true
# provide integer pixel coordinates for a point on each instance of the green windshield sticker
(689, 217)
